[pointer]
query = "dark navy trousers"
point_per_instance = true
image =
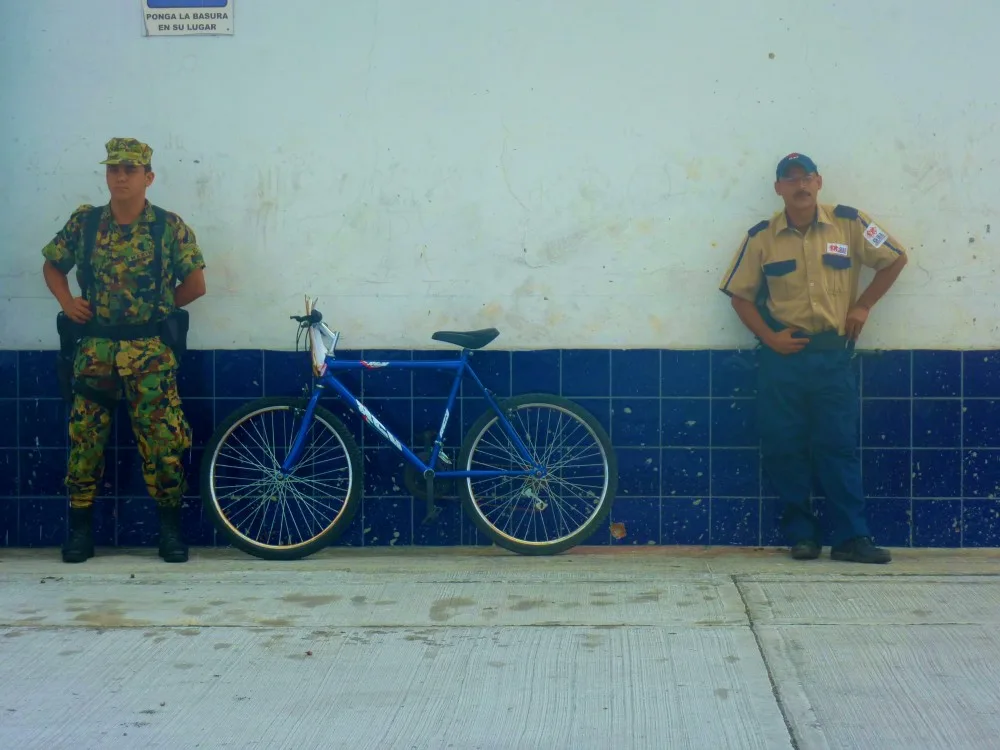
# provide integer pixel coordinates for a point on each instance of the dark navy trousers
(808, 414)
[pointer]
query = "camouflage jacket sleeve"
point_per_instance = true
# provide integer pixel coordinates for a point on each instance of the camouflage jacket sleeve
(63, 249)
(186, 256)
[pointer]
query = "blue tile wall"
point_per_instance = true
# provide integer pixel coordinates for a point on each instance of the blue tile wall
(683, 423)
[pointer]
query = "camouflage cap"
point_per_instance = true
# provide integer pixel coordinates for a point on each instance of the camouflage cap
(128, 151)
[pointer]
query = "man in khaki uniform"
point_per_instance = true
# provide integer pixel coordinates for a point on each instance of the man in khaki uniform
(794, 284)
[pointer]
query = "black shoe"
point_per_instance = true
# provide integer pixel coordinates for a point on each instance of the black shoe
(172, 547)
(860, 550)
(79, 546)
(805, 550)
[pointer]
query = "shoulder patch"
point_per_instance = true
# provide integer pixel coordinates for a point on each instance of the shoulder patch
(845, 212)
(758, 228)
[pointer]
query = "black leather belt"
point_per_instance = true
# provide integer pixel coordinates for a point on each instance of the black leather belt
(121, 332)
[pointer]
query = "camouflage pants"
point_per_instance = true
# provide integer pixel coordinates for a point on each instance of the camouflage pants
(145, 374)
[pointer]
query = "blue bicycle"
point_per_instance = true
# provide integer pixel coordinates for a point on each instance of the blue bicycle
(282, 476)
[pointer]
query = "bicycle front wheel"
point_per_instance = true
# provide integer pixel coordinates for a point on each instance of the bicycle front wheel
(550, 514)
(265, 512)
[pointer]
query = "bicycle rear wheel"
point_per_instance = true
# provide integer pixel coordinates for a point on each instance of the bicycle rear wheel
(269, 514)
(547, 515)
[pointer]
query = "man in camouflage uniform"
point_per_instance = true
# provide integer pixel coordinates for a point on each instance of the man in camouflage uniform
(121, 349)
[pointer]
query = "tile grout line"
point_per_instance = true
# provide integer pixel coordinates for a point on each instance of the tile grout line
(961, 453)
(912, 508)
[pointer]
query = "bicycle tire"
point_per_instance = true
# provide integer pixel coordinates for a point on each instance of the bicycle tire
(352, 500)
(604, 505)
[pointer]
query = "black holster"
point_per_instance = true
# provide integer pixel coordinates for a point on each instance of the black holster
(70, 334)
(174, 331)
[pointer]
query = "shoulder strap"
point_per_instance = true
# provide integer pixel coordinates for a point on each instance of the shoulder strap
(90, 228)
(157, 229)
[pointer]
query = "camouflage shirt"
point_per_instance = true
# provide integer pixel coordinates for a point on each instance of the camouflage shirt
(122, 263)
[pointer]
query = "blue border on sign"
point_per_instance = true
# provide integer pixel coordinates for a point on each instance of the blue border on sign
(166, 4)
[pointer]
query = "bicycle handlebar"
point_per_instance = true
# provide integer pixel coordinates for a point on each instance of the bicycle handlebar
(312, 318)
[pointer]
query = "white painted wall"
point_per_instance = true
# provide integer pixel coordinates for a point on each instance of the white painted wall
(577, 173)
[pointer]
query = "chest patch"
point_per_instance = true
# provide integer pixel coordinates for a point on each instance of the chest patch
(875, 236)
(836, 248)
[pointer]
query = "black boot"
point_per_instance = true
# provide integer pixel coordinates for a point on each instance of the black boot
(79, 546)
(172, 547)
(860, 550)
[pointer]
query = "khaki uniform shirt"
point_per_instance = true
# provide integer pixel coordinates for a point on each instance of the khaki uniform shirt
(810, 280)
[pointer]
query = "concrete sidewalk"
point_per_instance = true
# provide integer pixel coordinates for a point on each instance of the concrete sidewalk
(476, 648)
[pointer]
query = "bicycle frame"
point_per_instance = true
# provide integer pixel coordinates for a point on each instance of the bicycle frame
(323, 343)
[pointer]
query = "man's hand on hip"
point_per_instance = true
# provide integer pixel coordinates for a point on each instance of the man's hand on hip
(783, 342)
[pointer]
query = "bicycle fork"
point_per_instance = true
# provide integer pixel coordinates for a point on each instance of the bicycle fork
(295, 451)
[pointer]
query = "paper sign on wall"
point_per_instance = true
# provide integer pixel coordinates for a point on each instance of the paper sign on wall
(187, 17)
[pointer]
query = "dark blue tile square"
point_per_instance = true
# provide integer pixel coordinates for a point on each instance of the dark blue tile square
(937, 423)
(638, 472)
(138, 522)
(890, 519)
(684, 520)
(394, 413)
(43, 423)
(982, 473)
(350, 379)
(192, 470)
(43, 472)
(200, 414)
(352, 536)
(388, 521)
(635, 372)
(937, 473)
(106, 522)
(42, 521)
(130, 481)
(599, 409)
(383, 382)
(123, 435)
(886, 374)
(427, 416)
(685, 472)
(600, 538)
(735, 473)
(982, 374)
(37, 374)
(640, 521)
(586, 372)
(886, 473)
(686, 422)
(734, 423)
(685, 373)
(635, 422)
(437, 382)
(8, 472)
(736, 521)
(494, 371)
(444, 531)
(981, 523)
(536, 371)
(8, 423)
(287, 373)
(771, 533)
(982, 424)
(8, 374)
(239, 373)
(471, 534)
(937, 373)
(734, 373)
(197, 527)
(8, 522)
(886, 424)
(196, 374)
(384, 472)
(937, 523)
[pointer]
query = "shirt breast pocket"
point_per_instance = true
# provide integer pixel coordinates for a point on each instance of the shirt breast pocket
(837, 272)
(779, 275)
